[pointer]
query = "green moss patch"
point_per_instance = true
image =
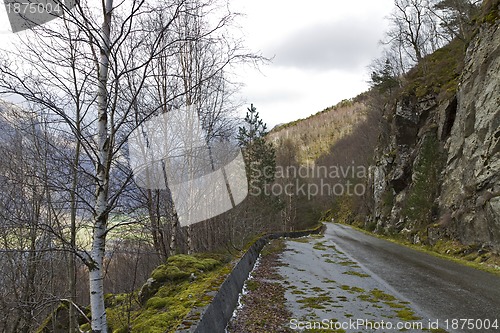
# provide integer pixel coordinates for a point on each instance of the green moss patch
(379, 295)
(349, 263)
(490, 12)
(438, 73)
(315, 302)
(354, 273)
(376, 295)
(407, 315)
(301, 240)
(184, 282)
(320, 246)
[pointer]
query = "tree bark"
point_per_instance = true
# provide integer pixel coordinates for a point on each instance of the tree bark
(96, 274)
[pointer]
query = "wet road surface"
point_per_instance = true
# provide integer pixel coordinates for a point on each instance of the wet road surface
(363, 283)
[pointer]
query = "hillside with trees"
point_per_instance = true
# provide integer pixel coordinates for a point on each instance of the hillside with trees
(315, 135)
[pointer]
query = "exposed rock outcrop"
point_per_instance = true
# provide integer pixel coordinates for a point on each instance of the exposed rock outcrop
(437, 170)
(471, 182)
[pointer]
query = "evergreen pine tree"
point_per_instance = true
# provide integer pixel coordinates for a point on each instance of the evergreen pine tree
(260, 156)
(383, 79)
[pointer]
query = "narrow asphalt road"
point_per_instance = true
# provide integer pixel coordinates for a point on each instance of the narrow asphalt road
(436, 288)
(346, 281)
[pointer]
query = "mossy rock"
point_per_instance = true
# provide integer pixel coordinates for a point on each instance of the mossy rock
(158, 303)
(192, 263)
(148, 290)
(180, 267)
(166, 272)
(159, 274)
(177, 269)
(58, 320)
(208, 264)
(174, 273)
(182, 283)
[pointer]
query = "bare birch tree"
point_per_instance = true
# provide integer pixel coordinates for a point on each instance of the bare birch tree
(93, 70)
(415, 31)
(420, 27)
(455, 17)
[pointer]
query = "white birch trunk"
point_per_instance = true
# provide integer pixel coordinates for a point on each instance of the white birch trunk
(96, 274)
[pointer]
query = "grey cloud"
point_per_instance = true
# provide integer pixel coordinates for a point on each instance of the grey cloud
(341, 45)
(277, 96)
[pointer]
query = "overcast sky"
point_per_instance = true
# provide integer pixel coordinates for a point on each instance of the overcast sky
(321, 51)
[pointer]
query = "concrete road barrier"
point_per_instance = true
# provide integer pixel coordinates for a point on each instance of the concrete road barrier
(215, 317)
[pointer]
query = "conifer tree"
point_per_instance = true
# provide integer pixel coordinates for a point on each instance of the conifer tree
(260, 156)
(383, 79)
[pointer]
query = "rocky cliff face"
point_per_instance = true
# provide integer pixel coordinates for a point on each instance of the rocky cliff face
(471, 180)
(437, 170)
